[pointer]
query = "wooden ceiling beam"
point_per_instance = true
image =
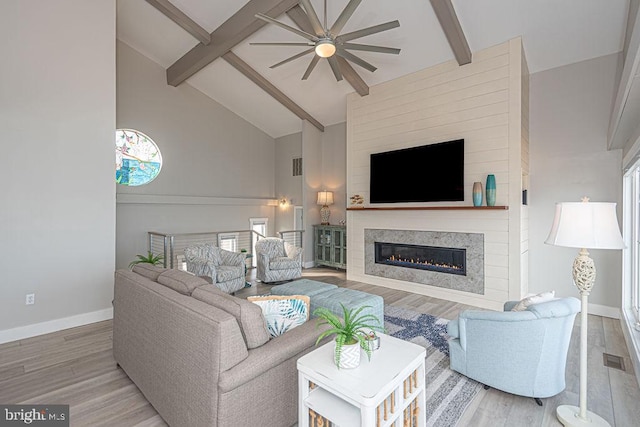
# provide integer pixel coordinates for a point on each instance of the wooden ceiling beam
(180, 18)
(265, 85)
(452, 30)
(300, 18)
(235, 29)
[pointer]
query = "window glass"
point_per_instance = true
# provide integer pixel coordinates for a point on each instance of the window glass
(138, 159)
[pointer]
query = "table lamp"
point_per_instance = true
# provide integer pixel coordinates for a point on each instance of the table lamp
(584, 225)
(325, 198)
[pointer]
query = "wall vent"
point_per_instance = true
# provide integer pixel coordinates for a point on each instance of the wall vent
(611, 361)
(297, 166)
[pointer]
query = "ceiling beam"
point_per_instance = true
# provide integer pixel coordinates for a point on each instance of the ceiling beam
(180, 18)
(353, 77)
(300, 18)
(235, 29)
(265, 85)
(452, 30)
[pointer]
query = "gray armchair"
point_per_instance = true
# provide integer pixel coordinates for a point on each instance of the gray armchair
(520, 352)
(277, 260)
(225, 269)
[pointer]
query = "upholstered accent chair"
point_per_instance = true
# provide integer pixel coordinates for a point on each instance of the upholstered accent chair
(519, 352)
(277, 260)
(225, 269)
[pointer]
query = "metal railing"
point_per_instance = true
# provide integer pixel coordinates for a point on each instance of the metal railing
(293, 237)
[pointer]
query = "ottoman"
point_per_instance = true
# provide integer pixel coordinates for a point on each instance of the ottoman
(330, 297)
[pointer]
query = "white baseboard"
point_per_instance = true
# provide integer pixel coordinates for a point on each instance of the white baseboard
(309, 264)
(604, 311)
(36, 329)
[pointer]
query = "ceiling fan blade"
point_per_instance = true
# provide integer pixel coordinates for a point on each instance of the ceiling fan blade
(368, 31)
(333, 62)
(344, 16)
(287, 27)
(311, 66)
(282, 44)
(351, 57)
(294, 57)
(371, 48)
(313, 17)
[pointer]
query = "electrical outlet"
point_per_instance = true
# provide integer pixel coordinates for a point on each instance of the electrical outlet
(31, 299)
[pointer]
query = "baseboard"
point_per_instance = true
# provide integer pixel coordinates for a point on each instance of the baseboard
(604, 311)
(309, 264)
(36, 329)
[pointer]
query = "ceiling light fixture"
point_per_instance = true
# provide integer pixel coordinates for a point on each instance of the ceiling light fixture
(325, 48)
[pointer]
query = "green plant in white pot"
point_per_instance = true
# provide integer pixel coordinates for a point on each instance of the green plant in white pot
(351, 333)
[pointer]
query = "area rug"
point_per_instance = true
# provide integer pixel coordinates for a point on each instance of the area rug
(448, 393)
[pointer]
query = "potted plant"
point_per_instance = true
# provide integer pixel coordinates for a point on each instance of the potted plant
(150, 258)
(351, 333)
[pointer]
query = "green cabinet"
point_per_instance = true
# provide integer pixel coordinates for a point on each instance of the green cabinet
(330, 245)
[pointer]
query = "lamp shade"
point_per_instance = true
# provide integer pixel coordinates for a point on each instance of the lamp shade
(586, 225)
(325, 198)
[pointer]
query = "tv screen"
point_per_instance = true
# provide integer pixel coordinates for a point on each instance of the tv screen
(429, 173)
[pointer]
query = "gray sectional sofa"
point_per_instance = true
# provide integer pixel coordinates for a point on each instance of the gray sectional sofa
(203, 357)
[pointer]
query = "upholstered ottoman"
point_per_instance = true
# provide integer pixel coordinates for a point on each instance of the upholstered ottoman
(331, 296)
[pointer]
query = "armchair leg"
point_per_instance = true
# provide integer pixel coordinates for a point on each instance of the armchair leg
(486, 387)
(538, 401)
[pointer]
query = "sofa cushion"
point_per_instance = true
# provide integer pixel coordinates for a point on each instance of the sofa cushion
(180, 281)
(248, 315)
(283, 263)
(283, 313)
(534, 299)
(149, 271)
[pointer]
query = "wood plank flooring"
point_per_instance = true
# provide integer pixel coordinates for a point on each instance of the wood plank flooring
(76, 367)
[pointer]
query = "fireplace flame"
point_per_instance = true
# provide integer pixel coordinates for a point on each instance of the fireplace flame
(431, 263)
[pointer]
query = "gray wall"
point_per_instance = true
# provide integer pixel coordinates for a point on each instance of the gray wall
(57, 114)
(570, 108)
(207, 151)
(287, 186)
(334, 169)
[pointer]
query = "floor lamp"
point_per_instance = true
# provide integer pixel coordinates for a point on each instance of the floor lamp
(584, 225)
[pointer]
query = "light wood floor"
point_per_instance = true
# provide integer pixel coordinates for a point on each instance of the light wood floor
(76, 367)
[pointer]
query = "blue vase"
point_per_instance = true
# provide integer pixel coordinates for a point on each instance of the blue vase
(491, 190)
(477, 194)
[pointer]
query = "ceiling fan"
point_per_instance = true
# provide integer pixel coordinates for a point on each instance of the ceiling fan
(328, 42)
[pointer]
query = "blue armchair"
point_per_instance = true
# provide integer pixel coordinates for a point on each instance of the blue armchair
(519, 352)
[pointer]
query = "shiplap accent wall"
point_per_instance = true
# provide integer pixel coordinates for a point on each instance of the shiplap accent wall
(524, 219)
(481, 102)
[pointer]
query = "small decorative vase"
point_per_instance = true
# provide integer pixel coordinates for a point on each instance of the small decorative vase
(350, 357)
(491, 190)
(477, 194)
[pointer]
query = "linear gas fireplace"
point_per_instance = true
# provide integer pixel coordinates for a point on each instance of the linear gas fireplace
(431, 258)
(443, 259)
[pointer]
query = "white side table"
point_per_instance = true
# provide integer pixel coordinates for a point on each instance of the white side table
(386, 391)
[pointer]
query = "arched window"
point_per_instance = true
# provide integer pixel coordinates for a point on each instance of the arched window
(138, 159)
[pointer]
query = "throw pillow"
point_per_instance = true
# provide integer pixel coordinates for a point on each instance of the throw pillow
(283, 313)
(534, 299)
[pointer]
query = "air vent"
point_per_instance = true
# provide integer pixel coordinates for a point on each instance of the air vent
(611, 361)
(297, 166)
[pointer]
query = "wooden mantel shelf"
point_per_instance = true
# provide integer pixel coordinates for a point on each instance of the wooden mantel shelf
(431, 208)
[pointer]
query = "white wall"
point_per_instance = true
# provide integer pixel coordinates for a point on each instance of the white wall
(312, 183)
(479, 102)
(287, 186)
(57, 115)
(334, 168)
(570, 109)
(208, 152)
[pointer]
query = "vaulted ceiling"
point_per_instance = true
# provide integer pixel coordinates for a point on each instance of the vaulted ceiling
(554, 33)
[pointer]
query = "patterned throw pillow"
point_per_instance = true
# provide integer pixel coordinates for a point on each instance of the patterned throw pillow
(283, 313)
(534, 299)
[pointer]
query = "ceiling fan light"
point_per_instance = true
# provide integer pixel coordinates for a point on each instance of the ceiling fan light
(325, 48)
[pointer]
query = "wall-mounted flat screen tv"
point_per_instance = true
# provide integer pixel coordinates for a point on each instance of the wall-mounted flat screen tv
(429, 173)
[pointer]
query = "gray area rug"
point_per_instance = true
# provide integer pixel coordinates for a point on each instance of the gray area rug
(448, 393)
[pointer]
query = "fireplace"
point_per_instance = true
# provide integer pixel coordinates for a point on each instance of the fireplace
(444, 259)
(421, 257)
